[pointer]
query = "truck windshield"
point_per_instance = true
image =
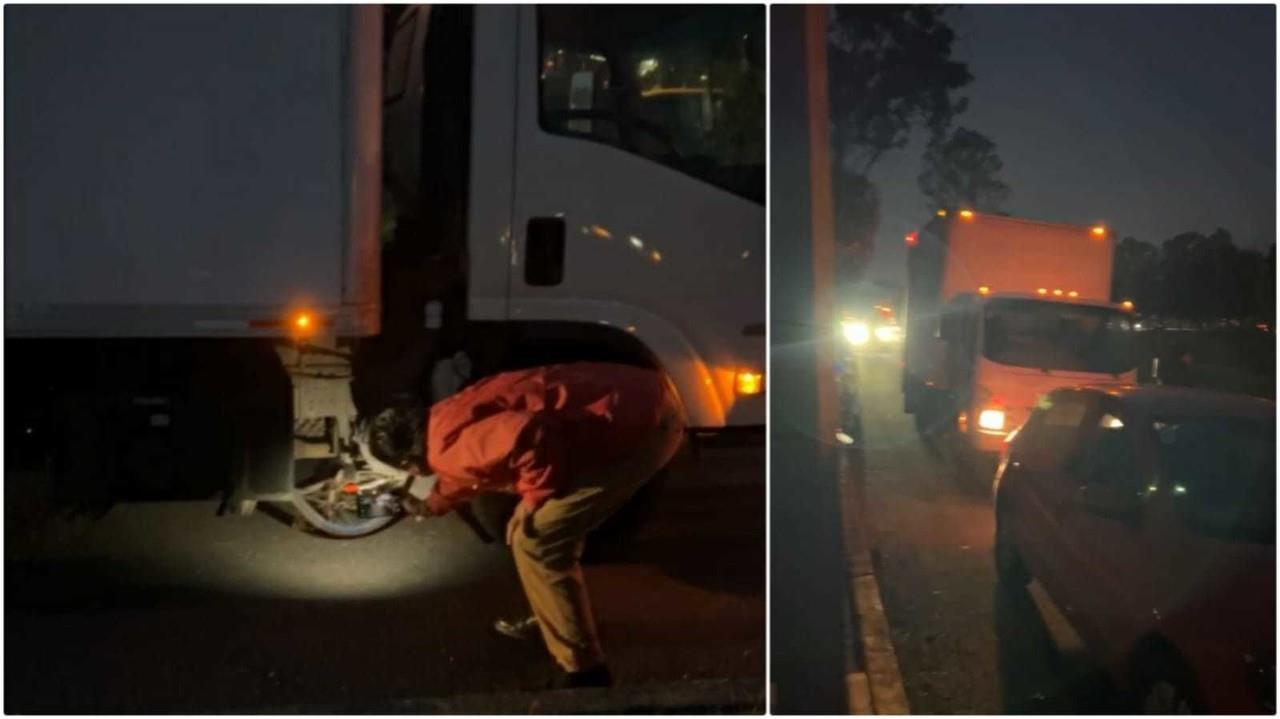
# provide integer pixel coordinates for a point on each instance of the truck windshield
(1222, 473)
(1057, 336)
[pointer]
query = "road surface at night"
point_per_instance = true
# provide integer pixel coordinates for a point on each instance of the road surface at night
(962, 646)
(164, 607)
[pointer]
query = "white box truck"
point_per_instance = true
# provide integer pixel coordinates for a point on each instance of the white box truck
(244, 245)
(999, 311)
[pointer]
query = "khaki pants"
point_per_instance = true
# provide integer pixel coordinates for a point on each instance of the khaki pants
(548, 558)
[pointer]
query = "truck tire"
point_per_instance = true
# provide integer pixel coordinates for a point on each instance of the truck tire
(933, 416)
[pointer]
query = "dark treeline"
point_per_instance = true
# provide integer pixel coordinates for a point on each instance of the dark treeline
(1197, 277)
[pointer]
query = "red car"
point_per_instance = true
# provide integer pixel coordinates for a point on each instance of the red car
(1148, 516)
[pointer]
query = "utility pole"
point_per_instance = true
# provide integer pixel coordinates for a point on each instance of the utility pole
(808, 598)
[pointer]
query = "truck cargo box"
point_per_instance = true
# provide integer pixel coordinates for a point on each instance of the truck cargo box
(190, 171)
(1010, 255)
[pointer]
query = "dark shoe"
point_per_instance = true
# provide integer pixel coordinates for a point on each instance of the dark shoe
(595, 677)
(523, 629)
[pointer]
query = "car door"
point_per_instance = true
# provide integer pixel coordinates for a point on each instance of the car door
(1047, 488)
(1106, 557)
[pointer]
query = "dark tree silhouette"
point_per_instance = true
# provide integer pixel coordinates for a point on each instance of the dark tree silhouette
(890, 71)
(1136, 274)
(962, 169)
(1205, 277)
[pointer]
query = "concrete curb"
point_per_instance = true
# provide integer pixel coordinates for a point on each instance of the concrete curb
(884, 678)
(699, 696)
(873, 678)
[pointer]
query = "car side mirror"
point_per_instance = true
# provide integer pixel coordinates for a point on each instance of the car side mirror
(1110, 501)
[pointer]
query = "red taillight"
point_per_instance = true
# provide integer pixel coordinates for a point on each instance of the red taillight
(911, 239)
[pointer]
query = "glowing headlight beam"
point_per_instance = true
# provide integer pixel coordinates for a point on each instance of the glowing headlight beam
(855, 333)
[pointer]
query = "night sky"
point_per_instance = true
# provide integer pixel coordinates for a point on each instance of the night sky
(1156, 120)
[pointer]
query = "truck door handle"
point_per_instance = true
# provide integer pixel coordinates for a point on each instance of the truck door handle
(544, 251)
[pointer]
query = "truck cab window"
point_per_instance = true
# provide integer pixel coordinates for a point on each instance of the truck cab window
(681, 86)
(1057, 336)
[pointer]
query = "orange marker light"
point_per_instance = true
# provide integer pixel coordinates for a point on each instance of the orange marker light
(1041, 291)
(1098, 231)
(966, 214)
(1127, 305)
(1057, 293)
(942, 213)
(984, 290)
(302, 321)
(1073, 293)
(749, 383)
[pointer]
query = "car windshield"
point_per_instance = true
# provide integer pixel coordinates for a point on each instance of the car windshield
(1222, 473)
(1057, 336)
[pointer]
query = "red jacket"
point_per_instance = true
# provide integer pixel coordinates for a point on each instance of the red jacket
(531, 430)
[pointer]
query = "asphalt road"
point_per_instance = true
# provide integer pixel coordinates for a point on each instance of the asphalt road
(963, 647)
(164, 607)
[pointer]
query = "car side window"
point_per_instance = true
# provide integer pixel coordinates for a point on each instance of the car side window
(1105, 454)
(1052, 433)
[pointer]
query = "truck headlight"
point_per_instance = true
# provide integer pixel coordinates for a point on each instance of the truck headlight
(992, 419)
(855, 332)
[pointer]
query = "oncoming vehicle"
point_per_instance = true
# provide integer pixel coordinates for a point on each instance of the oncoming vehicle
(876, 330)
(1148, 515)
(272, 239)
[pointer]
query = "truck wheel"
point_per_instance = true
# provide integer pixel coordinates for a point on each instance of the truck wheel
(327, 508)
(933, 416)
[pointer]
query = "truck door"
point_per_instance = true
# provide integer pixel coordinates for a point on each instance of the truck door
(639, 186)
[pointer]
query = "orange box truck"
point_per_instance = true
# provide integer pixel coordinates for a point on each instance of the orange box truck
(999, 311)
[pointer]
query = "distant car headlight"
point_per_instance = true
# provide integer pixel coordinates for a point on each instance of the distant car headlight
(992, 419)
(855, 332)
(889, 333)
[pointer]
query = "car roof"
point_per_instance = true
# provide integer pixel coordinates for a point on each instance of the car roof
(1187, 401)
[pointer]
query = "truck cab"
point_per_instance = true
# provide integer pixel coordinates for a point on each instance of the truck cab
(614, 190)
